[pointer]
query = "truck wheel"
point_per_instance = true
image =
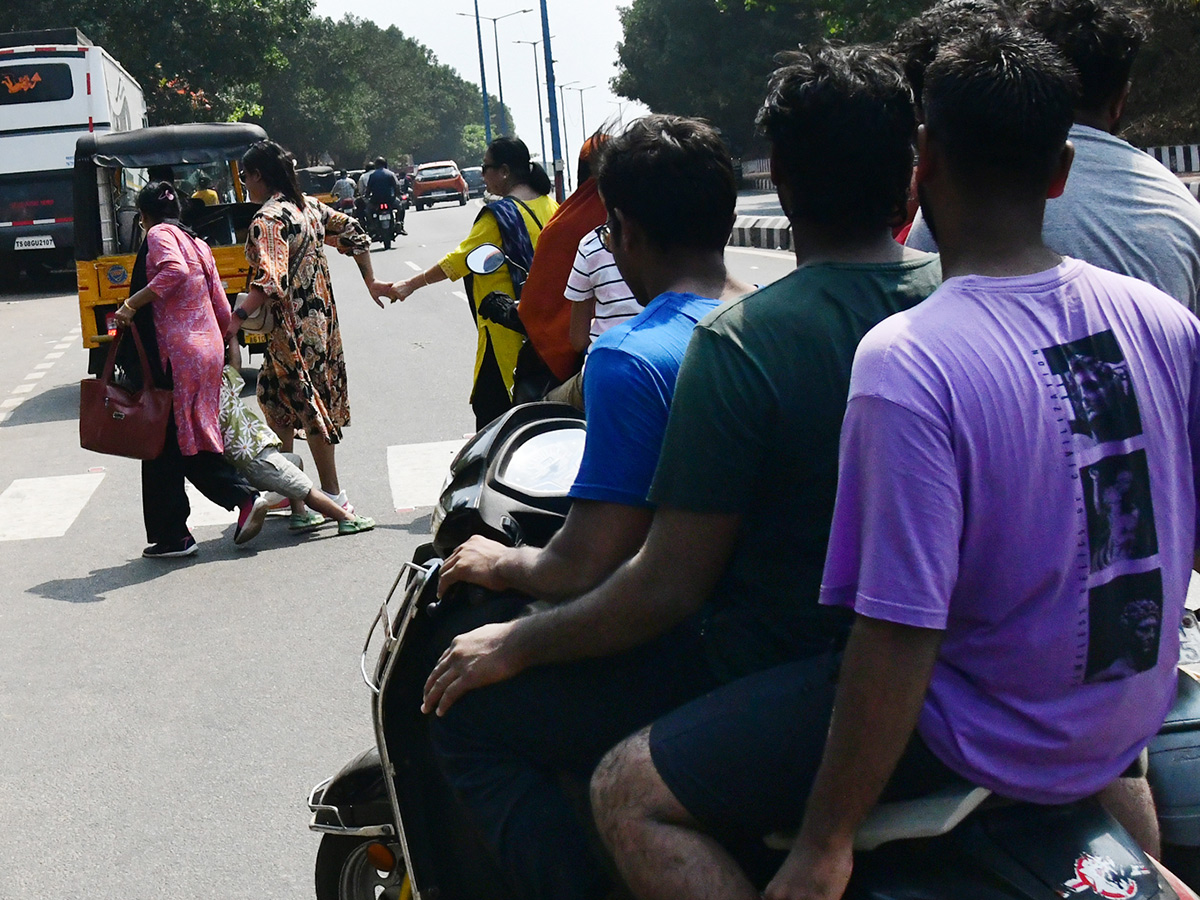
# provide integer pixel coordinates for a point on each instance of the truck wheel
(345, 872)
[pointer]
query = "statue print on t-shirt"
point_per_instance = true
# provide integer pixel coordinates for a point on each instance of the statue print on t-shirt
(1124, 606)
(1095, 377)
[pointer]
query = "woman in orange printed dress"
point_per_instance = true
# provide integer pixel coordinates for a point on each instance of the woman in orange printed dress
(302, 383)
(190, 311)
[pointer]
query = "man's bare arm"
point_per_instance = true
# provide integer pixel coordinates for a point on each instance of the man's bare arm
(885, 674)
(667, 580)
(595, 538)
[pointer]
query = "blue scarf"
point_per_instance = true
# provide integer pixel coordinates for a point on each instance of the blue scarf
(514, 240)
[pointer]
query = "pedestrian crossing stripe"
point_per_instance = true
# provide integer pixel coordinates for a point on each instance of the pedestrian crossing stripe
(44, 507)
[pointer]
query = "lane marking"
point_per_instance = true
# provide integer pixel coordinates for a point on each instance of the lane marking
(23, 388)
(54, 355)
(62, 347)
(205, 512)
(412, 265)
(44, 507)
(459, 294)
(45, 365)
(416, 472)
(34, 376)
(11, 402)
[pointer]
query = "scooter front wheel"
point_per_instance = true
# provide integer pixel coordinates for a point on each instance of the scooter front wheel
(346, 871)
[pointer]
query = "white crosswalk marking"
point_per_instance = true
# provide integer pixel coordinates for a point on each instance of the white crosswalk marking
(416, 472)
(205, 512)
(44, 507)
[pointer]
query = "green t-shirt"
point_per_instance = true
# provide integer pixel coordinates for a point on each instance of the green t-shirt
(754, 430)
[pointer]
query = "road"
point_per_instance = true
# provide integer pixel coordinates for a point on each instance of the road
(161, 722)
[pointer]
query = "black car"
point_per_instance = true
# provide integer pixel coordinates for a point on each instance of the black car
(474, 179)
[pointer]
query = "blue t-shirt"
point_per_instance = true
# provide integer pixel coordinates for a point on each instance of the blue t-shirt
(627, 389)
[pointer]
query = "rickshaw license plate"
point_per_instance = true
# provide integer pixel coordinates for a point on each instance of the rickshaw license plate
(36, 242)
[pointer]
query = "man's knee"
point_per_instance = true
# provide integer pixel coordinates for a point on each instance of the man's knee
(628, 793)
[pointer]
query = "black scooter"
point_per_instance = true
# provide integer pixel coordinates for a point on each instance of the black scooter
(384, 221)
(391, 828)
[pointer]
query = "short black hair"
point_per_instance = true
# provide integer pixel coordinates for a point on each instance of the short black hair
(916, 41)
(1100, 38)
(674, 177)
(841, 125)
(1000, 103)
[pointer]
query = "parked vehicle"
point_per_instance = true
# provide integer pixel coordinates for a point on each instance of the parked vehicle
(436, 182)
(473, 175)
(55, 85)
(317, 181)
(110, 169)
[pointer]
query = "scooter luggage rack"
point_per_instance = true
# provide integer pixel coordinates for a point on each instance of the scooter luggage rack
(394, 627)
(317, 807)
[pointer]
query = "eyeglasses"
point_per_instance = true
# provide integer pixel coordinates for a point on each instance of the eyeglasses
(486, 166)
(605, 235)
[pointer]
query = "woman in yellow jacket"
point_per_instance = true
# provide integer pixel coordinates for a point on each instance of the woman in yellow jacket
(512, 222)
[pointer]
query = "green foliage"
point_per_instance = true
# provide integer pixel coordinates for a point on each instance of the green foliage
(473, 145)
(196, 60)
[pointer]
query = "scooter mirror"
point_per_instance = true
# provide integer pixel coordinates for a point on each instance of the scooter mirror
(485, 259)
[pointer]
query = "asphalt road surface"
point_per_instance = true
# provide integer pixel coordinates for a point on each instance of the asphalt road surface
(161, 722)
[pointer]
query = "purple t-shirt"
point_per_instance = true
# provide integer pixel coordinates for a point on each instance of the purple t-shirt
(1019, 469)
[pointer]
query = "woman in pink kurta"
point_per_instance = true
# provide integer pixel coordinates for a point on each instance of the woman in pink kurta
(191, 313)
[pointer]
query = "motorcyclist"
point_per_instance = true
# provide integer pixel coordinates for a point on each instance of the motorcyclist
(343, 192)
(384, 187)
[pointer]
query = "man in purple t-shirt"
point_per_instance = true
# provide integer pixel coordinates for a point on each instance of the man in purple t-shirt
(1016, 514)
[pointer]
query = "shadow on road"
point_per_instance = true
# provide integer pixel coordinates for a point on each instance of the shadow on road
(58, 404)
(53, 285)
(95, 586)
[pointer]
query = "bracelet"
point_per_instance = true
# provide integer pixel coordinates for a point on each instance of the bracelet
(128, 306)
(241, 314)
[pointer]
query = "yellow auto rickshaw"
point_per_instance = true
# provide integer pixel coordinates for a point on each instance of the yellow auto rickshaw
(318, 181)
(110, 169)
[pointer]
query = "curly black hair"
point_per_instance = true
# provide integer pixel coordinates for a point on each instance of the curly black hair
(1100, 38)
(841, 125)
(999, 103)
(916, 41)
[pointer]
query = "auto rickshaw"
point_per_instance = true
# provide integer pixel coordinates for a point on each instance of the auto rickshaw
(110, 169)
(318, 182)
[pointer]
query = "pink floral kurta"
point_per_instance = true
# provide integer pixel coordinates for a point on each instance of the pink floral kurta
(190, 317)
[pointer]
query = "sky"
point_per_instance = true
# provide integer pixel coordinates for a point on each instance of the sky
(584, 37)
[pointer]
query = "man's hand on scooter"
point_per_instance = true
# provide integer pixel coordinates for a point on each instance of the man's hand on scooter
(809, 873)
(475, 561)
(474, 660)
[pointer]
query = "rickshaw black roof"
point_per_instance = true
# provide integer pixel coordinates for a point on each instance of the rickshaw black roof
(168, 145)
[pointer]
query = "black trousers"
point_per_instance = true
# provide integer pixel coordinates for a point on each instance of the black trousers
(165, 507)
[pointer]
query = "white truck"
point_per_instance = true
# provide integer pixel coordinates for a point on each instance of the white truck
(55, 85)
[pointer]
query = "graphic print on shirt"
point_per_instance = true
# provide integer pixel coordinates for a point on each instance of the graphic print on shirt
(1095, 376)
(1125, 618)
(1120, 516)
(1123, 609)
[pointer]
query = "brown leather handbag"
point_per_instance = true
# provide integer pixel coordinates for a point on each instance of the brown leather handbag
(120, 422)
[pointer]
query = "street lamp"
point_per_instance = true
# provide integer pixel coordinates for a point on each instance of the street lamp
(552, 105)
(566, 152)
(496, 39)
(487, 113)
(537, 83)
(582, 121)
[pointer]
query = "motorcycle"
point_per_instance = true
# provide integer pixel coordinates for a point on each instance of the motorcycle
(391, 827)
(384, 222)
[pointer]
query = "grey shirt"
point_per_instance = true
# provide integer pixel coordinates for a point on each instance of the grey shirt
(1123, 211)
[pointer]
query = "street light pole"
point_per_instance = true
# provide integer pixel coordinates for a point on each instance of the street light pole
(582, 120)
(499, 78)
(552, 104)
(537, 83)
(566, 152)
(487, 114)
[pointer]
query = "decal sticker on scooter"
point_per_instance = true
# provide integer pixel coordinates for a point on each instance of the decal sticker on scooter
(1102, 877)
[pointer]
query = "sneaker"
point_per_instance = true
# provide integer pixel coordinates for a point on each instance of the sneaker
(305, 521)
(186, 547)
(355, 525)
(250, 519)
(278, 502)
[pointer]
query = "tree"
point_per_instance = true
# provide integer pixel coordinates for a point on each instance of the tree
(197, 60)
(474, 144)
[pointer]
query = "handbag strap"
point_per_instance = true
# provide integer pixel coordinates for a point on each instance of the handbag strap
(110, 363)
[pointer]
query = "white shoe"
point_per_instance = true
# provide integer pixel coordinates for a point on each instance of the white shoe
(341, 500)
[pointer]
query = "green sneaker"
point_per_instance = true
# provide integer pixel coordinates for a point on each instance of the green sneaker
(305, 521)
(355, 525)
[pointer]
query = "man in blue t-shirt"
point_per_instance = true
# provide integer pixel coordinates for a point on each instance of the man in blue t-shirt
(670, 191)
(384, 187)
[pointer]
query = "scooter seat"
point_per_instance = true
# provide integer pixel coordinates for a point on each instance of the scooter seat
(924, 817)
